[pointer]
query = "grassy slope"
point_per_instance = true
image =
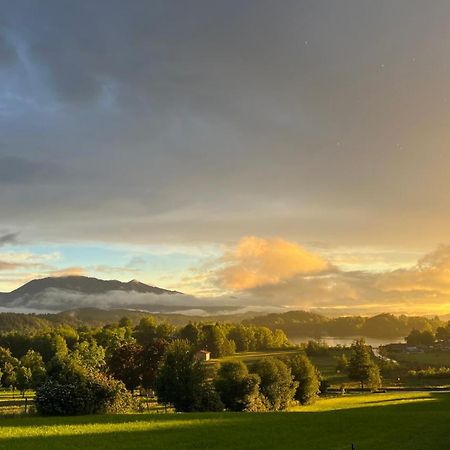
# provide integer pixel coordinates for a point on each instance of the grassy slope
(391, 421)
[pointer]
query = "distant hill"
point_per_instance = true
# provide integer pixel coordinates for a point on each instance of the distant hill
(307, 324)
(294, 323)
(60, 293)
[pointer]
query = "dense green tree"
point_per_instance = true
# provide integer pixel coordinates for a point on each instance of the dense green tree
(146, 331)
(316, 348)
(191, 333)
(416, 337)
(165, 331)
(8, 366)
(69, 334)
(33, 361)
(237, 388)
(443, 333)
(111, 338)
(277, 384)
(90, 354)
(263, 338)
(24, 379)
(59, 346)
(279, 339)
(125, 322)
(374, 378)
(214, 339)
(183, 381)
(125, 364)
(243, 337)
(151, 357)
(361, 366)
(307, 378)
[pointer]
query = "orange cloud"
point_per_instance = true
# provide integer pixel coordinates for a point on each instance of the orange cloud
(259, 262)
(431, 274)
(69, 271)
(4, 265)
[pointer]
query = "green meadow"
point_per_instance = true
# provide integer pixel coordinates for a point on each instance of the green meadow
(406, 421)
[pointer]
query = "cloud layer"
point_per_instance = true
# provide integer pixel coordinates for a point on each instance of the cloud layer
(168, 122)
(276, 272)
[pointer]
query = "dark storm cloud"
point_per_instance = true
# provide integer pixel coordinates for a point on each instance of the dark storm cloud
(209, 120)
(9, 239)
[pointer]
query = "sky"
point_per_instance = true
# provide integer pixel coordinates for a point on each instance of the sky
(292, 152)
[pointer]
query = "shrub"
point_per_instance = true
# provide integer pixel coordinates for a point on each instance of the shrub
(430, 372)
(92, 393)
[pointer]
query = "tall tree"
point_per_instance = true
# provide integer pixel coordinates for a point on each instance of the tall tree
(33, 361)
(236, 387)
(216, 341)
(361, 366)
(183, 382)
(306, 375)
(125, 364)
(23, 379)
(277, 383)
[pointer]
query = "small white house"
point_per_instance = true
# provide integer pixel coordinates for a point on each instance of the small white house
(203, 355)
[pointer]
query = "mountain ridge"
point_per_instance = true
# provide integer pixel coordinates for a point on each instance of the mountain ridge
(75, 285)
(86, 285)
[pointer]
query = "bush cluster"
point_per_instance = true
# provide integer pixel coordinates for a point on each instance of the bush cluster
(84, 394)
(431, 372)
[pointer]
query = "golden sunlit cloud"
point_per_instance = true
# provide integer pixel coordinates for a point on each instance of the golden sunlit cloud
(430, 274)
(258, 262)
(69, 271)
(278, 272)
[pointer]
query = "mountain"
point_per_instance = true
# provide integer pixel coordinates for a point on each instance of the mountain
(60, 293)
(85, 285)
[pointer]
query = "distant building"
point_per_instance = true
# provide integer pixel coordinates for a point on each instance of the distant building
(203, 355)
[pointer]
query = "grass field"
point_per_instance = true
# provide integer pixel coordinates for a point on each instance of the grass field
(14, 403)
(423, 360)
(371, 422)
(252, 357)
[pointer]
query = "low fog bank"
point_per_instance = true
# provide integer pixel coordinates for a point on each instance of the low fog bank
(56, 300)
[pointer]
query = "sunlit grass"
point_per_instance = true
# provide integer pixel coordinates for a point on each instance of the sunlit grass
(134, 425)
(364, 401)
(402, 421)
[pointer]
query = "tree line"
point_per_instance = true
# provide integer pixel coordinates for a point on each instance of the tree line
(304, 323)
(97, 370)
